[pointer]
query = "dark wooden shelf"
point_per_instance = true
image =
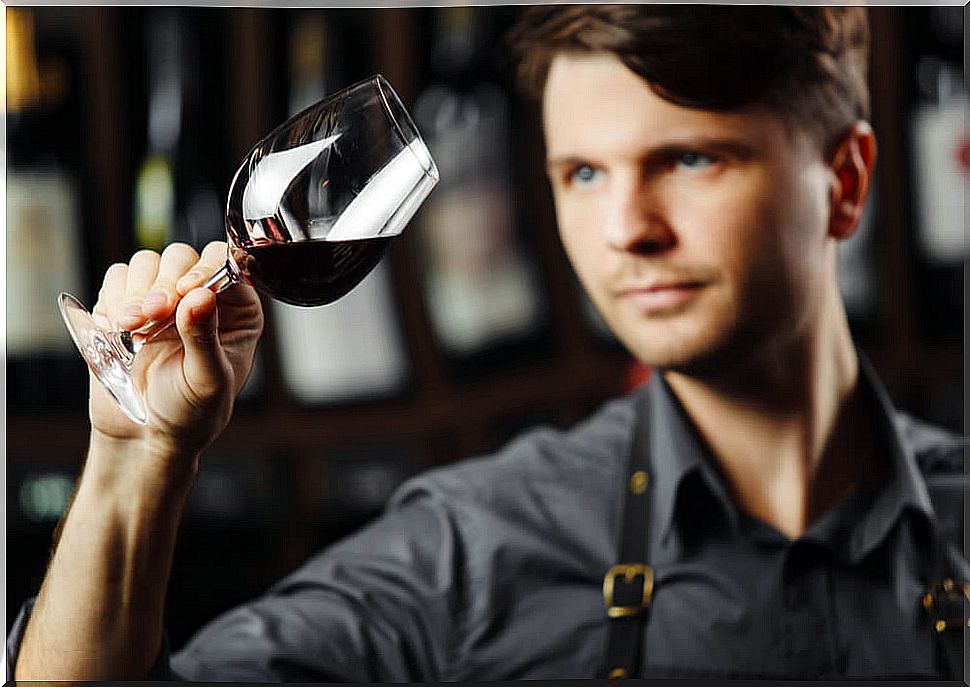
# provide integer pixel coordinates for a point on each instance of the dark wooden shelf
(289, 426)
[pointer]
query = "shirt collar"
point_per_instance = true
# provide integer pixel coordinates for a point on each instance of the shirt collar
(904, 488)
(677, 451)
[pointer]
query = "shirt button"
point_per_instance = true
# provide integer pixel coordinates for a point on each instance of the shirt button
(638, 482)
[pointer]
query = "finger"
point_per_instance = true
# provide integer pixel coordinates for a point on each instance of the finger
(111, 295)
(142, 271)
(162, 296)
(211, 261)
(203, 364)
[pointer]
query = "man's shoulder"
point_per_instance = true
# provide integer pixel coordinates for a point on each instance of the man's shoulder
(940, 455)
(938, 451)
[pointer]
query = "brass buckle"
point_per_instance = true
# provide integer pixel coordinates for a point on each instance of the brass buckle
(629, 571)
(939, 602)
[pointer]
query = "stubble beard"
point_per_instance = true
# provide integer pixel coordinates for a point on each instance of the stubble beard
(717, 351)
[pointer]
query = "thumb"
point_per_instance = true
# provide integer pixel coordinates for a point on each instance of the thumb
(197, 320)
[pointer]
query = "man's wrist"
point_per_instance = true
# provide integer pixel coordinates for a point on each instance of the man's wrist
(156, 464)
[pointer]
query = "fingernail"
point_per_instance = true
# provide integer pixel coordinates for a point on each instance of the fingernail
(156, 299)
(189, 279)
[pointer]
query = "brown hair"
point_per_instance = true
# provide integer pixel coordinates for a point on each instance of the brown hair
(808, 64)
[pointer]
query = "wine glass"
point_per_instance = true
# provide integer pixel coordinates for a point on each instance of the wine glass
(311, 211)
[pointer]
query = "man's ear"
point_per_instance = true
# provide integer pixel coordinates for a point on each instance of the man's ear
(852, 165)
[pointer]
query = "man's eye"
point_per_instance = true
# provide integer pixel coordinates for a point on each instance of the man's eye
(693, 160)
(582, 175)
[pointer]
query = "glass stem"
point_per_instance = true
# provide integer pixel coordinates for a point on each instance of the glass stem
(127, 344)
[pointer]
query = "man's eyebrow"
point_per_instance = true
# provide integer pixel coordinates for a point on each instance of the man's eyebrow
(565, 161)
(739, 148)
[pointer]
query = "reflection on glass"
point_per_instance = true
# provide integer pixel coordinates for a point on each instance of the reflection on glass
(311, 211)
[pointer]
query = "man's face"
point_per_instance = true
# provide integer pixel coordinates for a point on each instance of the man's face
(700, 237)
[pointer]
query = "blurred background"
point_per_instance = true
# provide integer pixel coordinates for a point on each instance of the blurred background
(124, 127)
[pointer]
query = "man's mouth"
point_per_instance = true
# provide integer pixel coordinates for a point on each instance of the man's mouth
(661, 298)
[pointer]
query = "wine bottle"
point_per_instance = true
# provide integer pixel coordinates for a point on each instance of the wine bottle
(940, 167)
(480, 280)
(45, 250)
(154, 205)
(185, 150)
(352, 349)
(175, 188)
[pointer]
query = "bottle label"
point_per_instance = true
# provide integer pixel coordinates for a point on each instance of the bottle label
(43, 259)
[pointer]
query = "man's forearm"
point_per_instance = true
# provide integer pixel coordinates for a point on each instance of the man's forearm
(99, 611)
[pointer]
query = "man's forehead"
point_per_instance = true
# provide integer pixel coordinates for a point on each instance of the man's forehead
(593, 105)
(571, 74)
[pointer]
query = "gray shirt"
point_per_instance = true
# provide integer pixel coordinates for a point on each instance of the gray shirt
(492, 568)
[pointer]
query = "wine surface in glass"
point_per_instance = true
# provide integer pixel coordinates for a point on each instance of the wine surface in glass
(306, 224)
(310, 273)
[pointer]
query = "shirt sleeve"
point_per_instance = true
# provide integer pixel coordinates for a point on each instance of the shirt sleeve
(159, 671)
(383, 605)
(15, 636)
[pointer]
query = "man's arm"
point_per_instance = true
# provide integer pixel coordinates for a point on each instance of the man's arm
(98, 615)
(99, 612)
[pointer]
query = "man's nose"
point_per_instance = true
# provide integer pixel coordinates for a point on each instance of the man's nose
(637, 224)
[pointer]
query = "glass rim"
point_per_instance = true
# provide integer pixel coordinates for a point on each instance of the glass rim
(394, 109)
(403, 124)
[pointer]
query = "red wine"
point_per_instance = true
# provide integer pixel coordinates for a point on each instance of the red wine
(309, 273)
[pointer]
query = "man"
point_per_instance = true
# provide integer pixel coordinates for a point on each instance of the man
(705, 163)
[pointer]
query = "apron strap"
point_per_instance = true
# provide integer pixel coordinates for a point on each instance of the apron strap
(945, 603)
(628, 586)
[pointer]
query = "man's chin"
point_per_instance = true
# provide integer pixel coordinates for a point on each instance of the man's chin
(714, 359)
(697, 365)
(692, 356)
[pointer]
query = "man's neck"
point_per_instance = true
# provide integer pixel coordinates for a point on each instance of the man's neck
(789, 431)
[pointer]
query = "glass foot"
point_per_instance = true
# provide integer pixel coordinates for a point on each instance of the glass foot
(105, 355)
